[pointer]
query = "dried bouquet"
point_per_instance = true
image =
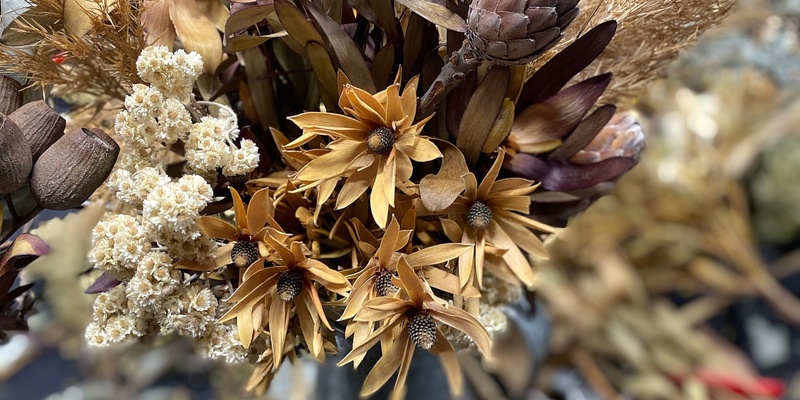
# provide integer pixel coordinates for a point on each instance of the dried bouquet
(388, 170)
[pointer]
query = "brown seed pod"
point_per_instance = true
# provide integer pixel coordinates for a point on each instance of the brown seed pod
(15, 157)
(40, 124)
(72, 168)
(10, 95)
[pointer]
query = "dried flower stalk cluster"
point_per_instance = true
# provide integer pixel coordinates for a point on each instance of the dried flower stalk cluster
(356, 205)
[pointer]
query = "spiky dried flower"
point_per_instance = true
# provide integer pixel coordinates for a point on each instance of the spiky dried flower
(245, 237)
(267, 295)
(374, 143)
(409, 320)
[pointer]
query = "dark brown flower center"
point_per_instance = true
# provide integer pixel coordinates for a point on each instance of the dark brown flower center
(383, 282)
(290, 283)
(479, 215)
(381, 140)
(244, 253)
(422, 330)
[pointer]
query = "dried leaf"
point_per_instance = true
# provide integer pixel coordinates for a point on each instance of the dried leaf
(78, 15)
(293, 20)
(242, 43)
(326, 74)
(438, 191)
(584, 132)
(347, 54)
(246, 17)
(381, 68)
(551, 77)
(156, 23)
(481, 113)
(196, 32)
(563, 176)
(501, 127)
(436, 13)
(557, 116)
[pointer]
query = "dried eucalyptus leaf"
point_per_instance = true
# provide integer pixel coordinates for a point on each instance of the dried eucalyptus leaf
(438, 191)
(436, 13)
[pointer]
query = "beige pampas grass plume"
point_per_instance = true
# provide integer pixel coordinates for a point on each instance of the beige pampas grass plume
(650, 34)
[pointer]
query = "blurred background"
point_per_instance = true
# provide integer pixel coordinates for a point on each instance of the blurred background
(683, 283)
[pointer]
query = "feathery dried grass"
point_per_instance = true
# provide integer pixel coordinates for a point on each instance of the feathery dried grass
(651, 34)
(101, 63)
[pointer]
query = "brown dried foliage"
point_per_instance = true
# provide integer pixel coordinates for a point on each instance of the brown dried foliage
(101, 62)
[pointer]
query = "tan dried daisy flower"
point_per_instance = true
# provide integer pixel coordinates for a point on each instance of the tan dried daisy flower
(407, 321)
(493, 217)
(267, 296)
(373, 144)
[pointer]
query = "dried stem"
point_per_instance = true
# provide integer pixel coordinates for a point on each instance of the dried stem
(461, 63)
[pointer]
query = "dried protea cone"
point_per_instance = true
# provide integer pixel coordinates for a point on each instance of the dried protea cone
(517, 31)
(40, 124)
(10, 95)
(15, 157)
(72, 168)
(570, 185)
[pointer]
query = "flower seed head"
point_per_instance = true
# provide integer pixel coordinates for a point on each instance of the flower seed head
(290, 283)
(381, 140)
(383, 282)
(244, 253)
(479, 215)
(422, 330)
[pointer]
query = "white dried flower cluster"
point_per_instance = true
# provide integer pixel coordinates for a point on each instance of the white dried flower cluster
(156, 228)
(171, 73)
(222, 341)
(171, 210)
(120, 242)
(210, 147)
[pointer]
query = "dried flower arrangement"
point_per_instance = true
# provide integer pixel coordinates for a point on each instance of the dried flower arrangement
(379, 187)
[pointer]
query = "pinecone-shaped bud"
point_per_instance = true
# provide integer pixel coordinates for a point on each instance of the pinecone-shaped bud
(517, 31)
(290, 283)
(479, 215)
(422, 330)
(68, 172)
(383, 282)
(10, 95)
(381, 141)
(40, 124)
(244, 253)
(15, 157)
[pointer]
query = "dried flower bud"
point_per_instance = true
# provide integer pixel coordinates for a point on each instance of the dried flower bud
(621, 137)
(72, 168)
(40, 124)
(10, 94)
(422, 330)
(15, 157)
(517, 31)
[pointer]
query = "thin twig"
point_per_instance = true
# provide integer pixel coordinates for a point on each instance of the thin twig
(11, 208)
(461, 63)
